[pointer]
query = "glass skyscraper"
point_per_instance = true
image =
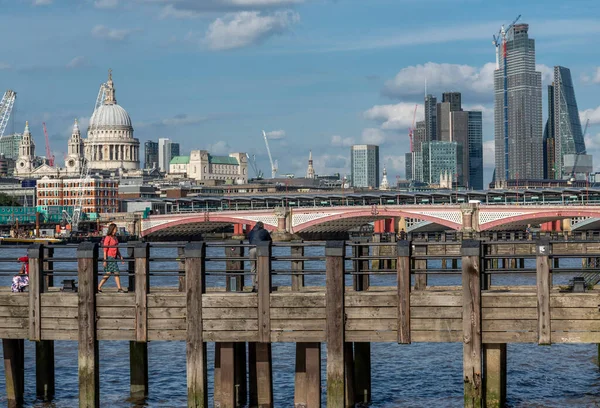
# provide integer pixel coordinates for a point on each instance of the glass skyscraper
(518, 141)
(439, 158)
(150, 154)
(475, 150)
(364, 166)
(563, 130)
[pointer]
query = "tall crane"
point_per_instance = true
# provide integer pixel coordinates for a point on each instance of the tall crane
(49, 154)
(412, 128)
(6, 105)
(273, 163)
(503, 35)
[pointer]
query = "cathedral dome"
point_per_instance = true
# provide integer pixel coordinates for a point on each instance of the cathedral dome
(110, 116)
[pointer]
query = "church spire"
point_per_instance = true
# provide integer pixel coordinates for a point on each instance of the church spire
(110, 90)
(310, 171)
(384, 181)
(76, 127)
(26, 131)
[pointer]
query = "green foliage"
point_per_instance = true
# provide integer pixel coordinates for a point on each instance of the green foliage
(8, 201)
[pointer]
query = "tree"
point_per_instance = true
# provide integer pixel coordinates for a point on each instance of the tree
(8, 201)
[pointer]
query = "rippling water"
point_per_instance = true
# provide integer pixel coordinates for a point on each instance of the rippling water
(416, 375)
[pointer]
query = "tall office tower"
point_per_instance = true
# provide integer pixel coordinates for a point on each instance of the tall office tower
(408, 166)
(564, 127)
(150, 154)
(518, 133)
(364, 166)
(430, 117)
(164, 154)
(419, 137)
(454, 99)
(440, 158)
(475, 149)
(548, 139)
(459, 133)
(174, 149)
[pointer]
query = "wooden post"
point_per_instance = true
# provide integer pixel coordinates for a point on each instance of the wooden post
(252, 376)
(44, 349)
(334, 265)
(420, 265)
(298, 279)
(227, 373)
(48, 267)
(494, 368)
(236, 284)
(181, 267)
(131, 265)
(89, 382)
(471, 282)
(403, 249)
(313, 375)
(138, 350)
(14, 370)
(36, 287)
(300, 383)
(264, 375)
(263, 271)
(361, 358)
(197, 388)
(349, 375)
(544, 283)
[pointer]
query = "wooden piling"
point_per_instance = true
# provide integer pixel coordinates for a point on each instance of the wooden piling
(334, 265)
(494, 378)
(138, 368)
(349, 399)
(264, 375)
(403, 249)
(297, 279)
(252, 376)
(89, 381)
(227, 373)
(14, 371)
(360, 359)
(138, 350)
(420, 265)
(195, 280)
(471, 283)
(300, 384)
(48, 266)
(544, 284)
(36, 287)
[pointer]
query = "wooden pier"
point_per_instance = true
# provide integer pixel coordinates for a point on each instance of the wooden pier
(346, 311)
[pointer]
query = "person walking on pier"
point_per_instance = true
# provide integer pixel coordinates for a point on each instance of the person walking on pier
(111, 254)
(257, 234)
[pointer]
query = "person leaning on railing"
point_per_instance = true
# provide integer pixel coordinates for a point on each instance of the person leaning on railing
(257, 234)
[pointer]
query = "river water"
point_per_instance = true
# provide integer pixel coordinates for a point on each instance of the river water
(415, 375)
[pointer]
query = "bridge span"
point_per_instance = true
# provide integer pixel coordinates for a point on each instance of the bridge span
(464, 217)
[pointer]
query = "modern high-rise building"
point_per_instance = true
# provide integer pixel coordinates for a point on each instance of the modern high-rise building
(164, 154)
(454, 99)
(441, 158)
(564, 145)
(459, 133)
(364, 166)
(150, 154)
(430, 117)
(475, 150)
(9, 145)
(518, 132)
(174, 149)
(419, 137)
(408, 166)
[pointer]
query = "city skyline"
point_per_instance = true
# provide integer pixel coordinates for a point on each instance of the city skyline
(282, 80)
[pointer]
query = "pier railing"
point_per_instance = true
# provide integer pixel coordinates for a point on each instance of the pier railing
(347, 294)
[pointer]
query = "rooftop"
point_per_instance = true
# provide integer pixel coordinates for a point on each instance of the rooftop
(180, 160)
(222, 160)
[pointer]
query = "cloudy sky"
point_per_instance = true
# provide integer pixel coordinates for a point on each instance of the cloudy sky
(316, 74)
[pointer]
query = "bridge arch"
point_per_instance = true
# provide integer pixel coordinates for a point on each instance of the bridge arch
(363, 216)
(539, 217)
(205, 218)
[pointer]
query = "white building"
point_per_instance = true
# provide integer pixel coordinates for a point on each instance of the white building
(164, 154)
(201, 165)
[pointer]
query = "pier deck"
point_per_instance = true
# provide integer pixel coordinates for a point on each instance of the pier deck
(341, 307)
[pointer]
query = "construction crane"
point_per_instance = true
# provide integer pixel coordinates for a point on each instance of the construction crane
(577, 155)
(503, 35)
(273, 163)
(6, 107)
(412, 128)
(49, 154)
(257, 172)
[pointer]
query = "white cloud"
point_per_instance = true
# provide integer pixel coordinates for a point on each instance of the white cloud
(77, 62)
(276, 134)
(592, 114)
(246, 28)
(170, 11)
(547, 73)
(106, 4)
(373, 136)
(219, 148)
(42, 2)
(339, 141)
(410, 81)
(4, 65)
(398, 116)
(181, 119)
(323, 163)
(489, 159)
(594, 78)
(112, 34)
(487, 112)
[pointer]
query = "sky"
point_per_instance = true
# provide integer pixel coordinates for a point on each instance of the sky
(316, 75)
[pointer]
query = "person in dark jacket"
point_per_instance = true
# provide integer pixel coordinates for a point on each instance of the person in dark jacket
(257, 234)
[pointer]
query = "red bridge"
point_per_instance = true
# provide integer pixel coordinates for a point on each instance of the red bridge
(386, 218)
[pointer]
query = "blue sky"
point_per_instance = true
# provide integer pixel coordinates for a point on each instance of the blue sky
(317, 74)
